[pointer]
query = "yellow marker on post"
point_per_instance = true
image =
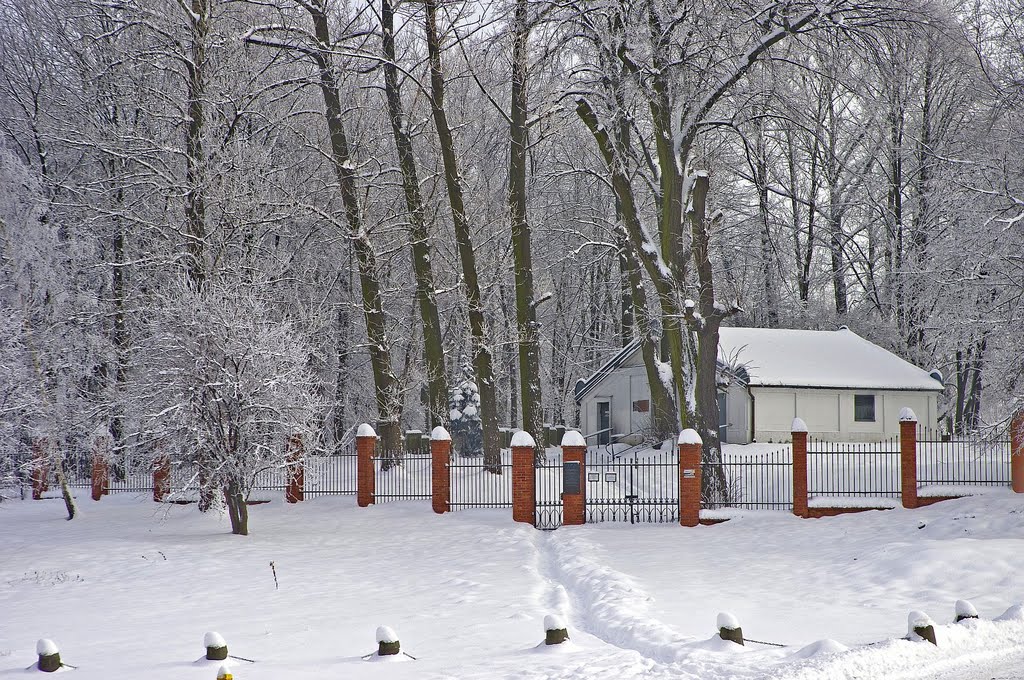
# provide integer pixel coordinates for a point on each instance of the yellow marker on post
(224, 673)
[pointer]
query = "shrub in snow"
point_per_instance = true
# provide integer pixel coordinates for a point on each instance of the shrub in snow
(920, 625)
(729, 628)
(49, 656)
(216, 647)
(387, 642)
(467, 427)
(555, 631)
(965, 610)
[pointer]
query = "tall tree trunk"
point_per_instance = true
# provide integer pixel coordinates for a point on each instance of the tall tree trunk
(482, 357)
(238, 510)
(195, 163)
(437, 390)
(387, 390)
(526, 304)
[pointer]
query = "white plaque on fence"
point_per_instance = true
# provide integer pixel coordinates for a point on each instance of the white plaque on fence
(593, 476)
(689, 474)
(611, 477)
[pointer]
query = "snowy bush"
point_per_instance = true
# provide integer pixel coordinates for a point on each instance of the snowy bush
(466, 426)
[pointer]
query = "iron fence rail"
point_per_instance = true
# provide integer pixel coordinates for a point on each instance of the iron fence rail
(548, 478)
(633, 489)
(402, 477)
(759, 481)
(981, 461)
(472, 485)
(839, 469)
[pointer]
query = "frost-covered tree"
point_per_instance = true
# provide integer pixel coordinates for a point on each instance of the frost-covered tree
(230, 382)
(467, 428)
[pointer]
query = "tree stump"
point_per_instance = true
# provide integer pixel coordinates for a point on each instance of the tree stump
(216, 647)
(49, 656)
(965, 610)
(921, 625)
(555, 630)
(729, 628)
(387, 642)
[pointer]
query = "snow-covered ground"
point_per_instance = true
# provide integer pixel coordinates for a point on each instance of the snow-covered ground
(129, 589)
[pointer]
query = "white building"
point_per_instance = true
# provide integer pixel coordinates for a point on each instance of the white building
(844, 387)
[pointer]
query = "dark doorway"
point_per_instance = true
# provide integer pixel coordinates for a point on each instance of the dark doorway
(604, 422)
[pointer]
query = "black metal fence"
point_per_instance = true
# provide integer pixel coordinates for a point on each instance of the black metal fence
(633, 489)
(331, 475)
(976, 461)
(548, 494)
(837, 469)
(471, 485)
(758, 481)
(402, 477)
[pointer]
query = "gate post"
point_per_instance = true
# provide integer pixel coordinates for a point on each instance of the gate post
(40, 467)
(1017, 451)
(908, 457)
(799, 435)
(690, 446)
(366, 442)
(295, 491)
(574, 505)
(162, 478)
(440, 474)
(100, 446)
(524, 478)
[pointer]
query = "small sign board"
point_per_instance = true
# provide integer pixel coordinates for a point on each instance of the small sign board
(689, 473)
(611, 477)
(571, 477)
(593, 476)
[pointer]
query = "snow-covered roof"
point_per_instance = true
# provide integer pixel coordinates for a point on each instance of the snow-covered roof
(843, 359)
(775, 357)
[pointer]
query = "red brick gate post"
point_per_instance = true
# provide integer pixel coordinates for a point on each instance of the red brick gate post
(162, 478)
(1017, 451)
(574, 505)
(295, 491)
(440, 474)
(524, 480)
(100, 447)
(799, 435)
(366, 443)
(908, 457)
(690, 446)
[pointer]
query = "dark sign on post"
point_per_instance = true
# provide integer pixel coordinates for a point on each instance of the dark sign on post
(571, 477)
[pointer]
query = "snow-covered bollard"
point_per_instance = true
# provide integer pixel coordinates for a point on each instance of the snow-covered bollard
(387, 642)
(49, 656)
(920, 625)
(216, 647)
(965, 610)
(224, 673)
(729, 628)
(555, 631)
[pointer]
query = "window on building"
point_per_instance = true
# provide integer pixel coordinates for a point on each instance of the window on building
(864, 408)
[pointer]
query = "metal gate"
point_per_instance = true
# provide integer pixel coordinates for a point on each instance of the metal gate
(633, 489)
(548, 480)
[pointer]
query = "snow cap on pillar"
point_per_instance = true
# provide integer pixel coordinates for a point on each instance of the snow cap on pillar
(366, 431)
(45, 647)
(690, 436)
(439, 434)
(523, 438)
(798, 425)
(907, 415)
(573, 438)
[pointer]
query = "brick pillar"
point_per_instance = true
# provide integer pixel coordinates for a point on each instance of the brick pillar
(574, 505)
(908, 457)
(440, 475)
(366, 443)
(799, 435)
(100, 446)
(524, 480)
(690, 446)
(40, 468)
(161, 478)
(1017, 451)
(295, 491)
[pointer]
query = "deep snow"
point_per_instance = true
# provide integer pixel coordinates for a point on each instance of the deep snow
(129, 589)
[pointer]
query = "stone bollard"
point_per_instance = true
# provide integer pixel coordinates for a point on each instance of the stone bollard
(216, 647)
(387, 642)
(729, 628)
(224, 673)
(919, 624)
(49, 656)
(965, 610)
(555, 631)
